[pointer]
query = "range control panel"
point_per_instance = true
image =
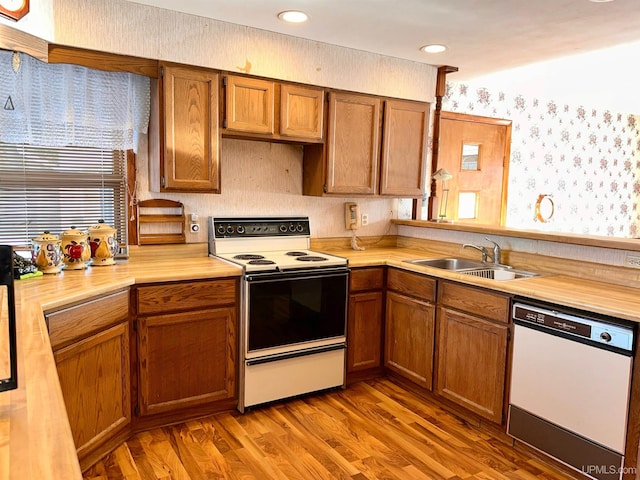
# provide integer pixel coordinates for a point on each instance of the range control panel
(260, 227)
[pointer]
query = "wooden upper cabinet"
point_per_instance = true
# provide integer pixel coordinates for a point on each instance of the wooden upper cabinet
(266, 110)
(402, 171)
(249, 104)
(369, 151)
(301, 112)
(189, 138)
(353, 144)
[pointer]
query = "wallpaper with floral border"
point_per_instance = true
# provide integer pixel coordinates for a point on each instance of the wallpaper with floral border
(587, 159)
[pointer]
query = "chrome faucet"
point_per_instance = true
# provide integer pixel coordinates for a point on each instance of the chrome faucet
(495, 257)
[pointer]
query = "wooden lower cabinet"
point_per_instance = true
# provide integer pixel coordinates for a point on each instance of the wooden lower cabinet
(409, 338)
(94, 377)
(186, 356)
(473, 333)
(365, 319)
(472, 356)
(91, 344)
(185, 359)
(364, 331)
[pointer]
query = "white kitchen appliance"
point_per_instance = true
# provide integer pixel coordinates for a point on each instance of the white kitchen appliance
(293, 307)
(570, 386)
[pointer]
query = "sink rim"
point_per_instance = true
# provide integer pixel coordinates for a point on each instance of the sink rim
(471, 267)
(464, 264)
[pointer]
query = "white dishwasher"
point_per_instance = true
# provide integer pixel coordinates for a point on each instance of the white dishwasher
(570, 384)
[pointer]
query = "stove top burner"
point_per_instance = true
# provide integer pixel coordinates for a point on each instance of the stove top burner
(248, 256)
(311, 258)
(296, 254)
(261, 261)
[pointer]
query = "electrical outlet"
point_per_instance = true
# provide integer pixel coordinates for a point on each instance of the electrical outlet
(632, 261)
(364, 219)
(195, 228)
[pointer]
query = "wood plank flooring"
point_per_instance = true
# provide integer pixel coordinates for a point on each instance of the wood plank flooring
(372, 430)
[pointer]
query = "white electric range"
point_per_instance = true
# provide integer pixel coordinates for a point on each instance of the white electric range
(293, 307)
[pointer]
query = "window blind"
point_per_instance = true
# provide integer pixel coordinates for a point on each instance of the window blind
(54, 189)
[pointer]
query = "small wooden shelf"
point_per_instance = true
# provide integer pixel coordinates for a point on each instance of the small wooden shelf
(161, 219)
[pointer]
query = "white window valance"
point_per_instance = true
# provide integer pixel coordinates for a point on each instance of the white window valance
(59, 105)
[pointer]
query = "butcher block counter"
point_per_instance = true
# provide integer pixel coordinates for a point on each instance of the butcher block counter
(35, 437)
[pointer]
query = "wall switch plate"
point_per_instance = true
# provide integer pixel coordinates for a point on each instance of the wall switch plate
(632, 261)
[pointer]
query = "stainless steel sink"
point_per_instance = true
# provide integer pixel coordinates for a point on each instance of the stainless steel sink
(498, 273)
(447, 263)
(477, 269)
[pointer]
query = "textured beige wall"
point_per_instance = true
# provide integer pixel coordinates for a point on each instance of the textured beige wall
(265, 179)
(257, 178)
(123, 27)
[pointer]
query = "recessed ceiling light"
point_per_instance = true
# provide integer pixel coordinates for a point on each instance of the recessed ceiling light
(435, 48)
(293, 16)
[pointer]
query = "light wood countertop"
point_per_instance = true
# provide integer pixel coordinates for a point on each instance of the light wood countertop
(594, 296)
(35, 438)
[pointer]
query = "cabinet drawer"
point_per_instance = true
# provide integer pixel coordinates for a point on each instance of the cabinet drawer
(366, 279)
(186, 296)
(472, 300)
(74, 323)
(411, 284)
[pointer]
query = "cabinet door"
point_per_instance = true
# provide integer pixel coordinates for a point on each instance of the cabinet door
(301, 112)
(353, 144)
(94, 376)
(249, 105)
(472, 355)
(409, 330)
(191, 145)
(364, 331)
(186, 359)
(404, 145)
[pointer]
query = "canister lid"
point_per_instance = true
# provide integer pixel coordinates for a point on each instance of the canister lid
(102, 227)
(46, 237)
(74, 232)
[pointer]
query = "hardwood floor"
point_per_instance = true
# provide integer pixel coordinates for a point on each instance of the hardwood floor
(372, 430)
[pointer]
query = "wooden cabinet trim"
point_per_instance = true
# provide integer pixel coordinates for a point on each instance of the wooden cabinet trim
(181, 296)
(368, 278)
(71, 324)
(484, 303)
(413, 284)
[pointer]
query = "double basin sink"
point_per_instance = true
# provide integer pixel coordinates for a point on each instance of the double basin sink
(477, 269)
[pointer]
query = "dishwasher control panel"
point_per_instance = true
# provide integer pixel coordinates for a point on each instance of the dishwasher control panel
(595, 330)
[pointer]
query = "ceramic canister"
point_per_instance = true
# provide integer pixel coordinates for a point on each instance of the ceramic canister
(102, 240)
(47, 254)
(75, 249)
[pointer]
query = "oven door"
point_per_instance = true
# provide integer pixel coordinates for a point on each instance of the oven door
(285, 312)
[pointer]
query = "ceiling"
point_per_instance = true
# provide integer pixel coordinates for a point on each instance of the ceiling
(482, 36)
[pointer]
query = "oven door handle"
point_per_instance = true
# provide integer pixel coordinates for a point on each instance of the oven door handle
(270, 277)
(297, 354)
